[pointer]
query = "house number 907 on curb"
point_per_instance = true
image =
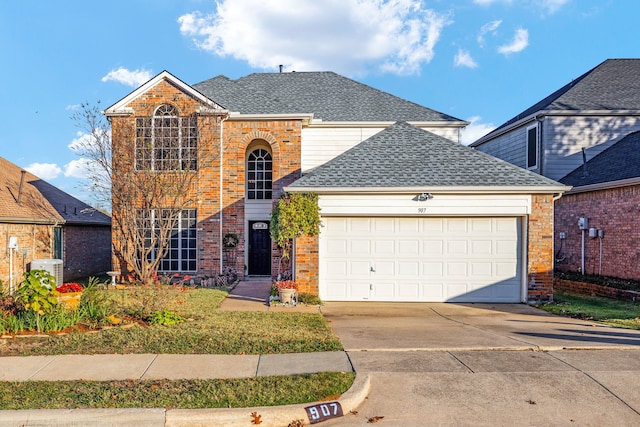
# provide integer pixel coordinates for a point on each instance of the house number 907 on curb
(323, 411)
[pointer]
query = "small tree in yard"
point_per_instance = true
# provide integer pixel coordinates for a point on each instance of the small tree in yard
(146, 200)
(293, 216)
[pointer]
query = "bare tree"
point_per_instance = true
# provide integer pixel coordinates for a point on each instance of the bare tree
(150, 177)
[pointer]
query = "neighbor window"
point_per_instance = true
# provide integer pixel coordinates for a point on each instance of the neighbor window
(166, 141)
(259, 174)
(532, 147)
(181, 250)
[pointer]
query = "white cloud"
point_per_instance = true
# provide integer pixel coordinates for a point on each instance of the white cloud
(475, 130)
(489, 27)
(490, 2)
(44, 170)
(519, 42)
(79, 168)
(552, 6)
(463, 59)
(133, 78)
(306, 35)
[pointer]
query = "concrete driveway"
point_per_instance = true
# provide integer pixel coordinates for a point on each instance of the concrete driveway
(487, 364)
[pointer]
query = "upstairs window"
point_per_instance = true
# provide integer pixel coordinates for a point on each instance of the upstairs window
(166, 141)
(532, 147)
(259, 174)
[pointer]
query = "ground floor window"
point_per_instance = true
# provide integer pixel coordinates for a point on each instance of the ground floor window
(181, 251)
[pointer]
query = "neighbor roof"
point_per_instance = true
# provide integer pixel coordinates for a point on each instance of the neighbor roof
(618, 162)
(40, 202)
(612, 85)
(329, 96)
(404, 156)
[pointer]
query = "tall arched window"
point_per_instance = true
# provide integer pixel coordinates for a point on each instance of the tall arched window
(166, 141)
(259, 174)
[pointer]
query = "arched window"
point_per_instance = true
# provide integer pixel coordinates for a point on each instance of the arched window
(259, 174)
(166, 141)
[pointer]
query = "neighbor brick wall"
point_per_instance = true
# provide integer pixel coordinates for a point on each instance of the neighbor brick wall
(540, 249)
(87, 251)
(593, 289)
(613, 210)
(35, 241)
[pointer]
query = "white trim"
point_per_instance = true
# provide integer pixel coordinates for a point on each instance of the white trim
(304, 117)
(119, 108)
(604, 186)
(546, 189)
(319, 123)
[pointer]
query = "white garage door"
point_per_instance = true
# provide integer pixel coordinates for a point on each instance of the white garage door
(420, 259)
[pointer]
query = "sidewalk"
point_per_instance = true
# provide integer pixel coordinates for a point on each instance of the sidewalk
(249, 295)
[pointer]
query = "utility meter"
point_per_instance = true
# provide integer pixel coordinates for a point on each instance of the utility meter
(13, 242)
(583, 223)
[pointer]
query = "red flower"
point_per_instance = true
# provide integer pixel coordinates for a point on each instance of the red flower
(69, 287)
(286, 284)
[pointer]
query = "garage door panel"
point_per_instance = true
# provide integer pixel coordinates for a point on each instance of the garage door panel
(421, 259)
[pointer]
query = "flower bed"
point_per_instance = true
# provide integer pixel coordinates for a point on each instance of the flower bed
(593, 289)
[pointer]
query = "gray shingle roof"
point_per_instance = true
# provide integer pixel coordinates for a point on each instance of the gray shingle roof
(41, 201)
(405, 156)
(620, 161)
(612, 85)
(327, 95)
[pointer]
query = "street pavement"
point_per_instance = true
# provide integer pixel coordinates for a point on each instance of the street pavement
(416, 364)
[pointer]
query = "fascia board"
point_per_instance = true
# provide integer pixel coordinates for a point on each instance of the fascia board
(119, 108)
(551, 189)
(604, 185)
(304, 117)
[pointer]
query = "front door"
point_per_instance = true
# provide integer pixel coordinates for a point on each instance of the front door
(259, 248)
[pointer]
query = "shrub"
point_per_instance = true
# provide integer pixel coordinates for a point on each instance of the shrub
(37, 293)
(165, 317)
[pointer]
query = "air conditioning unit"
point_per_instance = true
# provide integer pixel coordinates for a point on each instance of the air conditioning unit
(51, 266)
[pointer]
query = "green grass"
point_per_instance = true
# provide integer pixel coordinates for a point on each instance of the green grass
(622, 314)
(207, 331)
(184, 394)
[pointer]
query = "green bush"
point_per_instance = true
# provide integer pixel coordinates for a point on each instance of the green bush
(37, 292)
(165, 317)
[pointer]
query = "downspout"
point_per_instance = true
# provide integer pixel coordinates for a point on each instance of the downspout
(221, 204)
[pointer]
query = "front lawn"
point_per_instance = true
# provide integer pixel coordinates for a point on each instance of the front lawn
(203, 331)
(613, 312)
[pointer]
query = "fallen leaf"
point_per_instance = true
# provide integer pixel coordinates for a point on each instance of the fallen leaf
(257, 419)
(374, 419)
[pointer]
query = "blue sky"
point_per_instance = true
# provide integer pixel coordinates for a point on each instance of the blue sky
(478, 60)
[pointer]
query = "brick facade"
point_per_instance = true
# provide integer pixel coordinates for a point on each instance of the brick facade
(593, 289)
(615, 211)
(540, 249)
(87, 251)
(35, 241)
(215, 192)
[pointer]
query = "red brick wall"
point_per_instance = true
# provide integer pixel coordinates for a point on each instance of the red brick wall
(540, 249)
(307, 264)
(613, 210)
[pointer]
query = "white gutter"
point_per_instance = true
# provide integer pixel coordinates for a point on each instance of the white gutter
(433, 124)
(306, 118)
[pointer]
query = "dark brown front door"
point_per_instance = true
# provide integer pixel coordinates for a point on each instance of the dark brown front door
(259, 248)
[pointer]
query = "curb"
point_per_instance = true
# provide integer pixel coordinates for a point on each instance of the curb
(159, 417)
(275, 416)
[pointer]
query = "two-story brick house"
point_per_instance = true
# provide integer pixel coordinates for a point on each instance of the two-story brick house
(266, 131)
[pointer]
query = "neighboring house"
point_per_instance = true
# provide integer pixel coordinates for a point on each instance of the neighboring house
(606, 190)
(408, 213)
(598, 111)
(41, 222)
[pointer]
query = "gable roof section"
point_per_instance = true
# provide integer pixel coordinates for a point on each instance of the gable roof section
(329, 96)
(619, 162)
(405, 158)
(41, 202)
(120, 107)
(611, 86)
